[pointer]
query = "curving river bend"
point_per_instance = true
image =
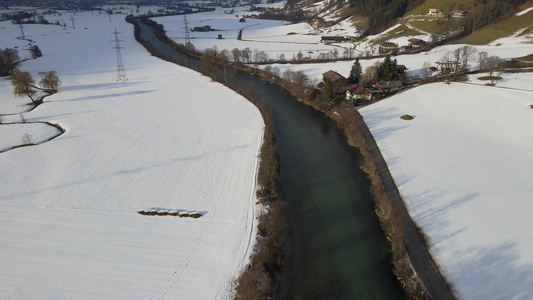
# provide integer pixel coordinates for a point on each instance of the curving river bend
(338, 248)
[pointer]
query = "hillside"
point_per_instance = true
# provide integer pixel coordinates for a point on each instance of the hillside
(476, 15)
(519, 24)
(373, 17)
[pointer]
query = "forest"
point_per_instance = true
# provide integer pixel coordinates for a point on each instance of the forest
(384, 13)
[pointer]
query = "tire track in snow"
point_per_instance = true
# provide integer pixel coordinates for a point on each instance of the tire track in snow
(248, 233)
(176, 275)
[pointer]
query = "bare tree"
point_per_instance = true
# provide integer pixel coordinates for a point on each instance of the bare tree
(467, 54)
(447, 57)
(50, 80)
(299, 56)
(236, 55)
(425, 69)
(23, 85)
(246, 54)
(224, 55)
(370, 75)
(9, 60)
(492, 65)
(260, 56)
(481, 57)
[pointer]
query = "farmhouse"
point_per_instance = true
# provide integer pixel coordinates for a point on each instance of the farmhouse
(416, 44)
(400, 69)
(388, 86)
(338, 82)
(435, 12)
(205, 28)
(459, 14)
(448, 67)
(334, 39)
(388, 48)
(356, 93)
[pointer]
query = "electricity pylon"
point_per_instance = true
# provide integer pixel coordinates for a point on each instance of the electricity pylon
(186, 28)
(121, 73)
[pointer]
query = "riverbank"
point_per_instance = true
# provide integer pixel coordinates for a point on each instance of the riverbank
(408, 245)
(345, 117)
(262, 277)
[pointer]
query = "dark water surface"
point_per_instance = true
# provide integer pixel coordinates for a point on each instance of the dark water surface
(339, 251)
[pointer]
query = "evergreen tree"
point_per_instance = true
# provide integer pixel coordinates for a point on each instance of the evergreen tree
(387, 69)
(355, 72)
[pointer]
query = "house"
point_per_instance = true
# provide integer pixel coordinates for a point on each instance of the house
(388, 48)
(205, 28)
(242, 20)
(448, 67)
(416, 44)
(435, 12)
(400, 69)
(357, 93)
(389, 86)
(333, 39)
(338, 82)
(459, 14)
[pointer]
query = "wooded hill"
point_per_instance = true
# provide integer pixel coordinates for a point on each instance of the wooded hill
(381, 14)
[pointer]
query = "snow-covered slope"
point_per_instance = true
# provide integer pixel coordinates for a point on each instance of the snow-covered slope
(166, 138)
(464, 169)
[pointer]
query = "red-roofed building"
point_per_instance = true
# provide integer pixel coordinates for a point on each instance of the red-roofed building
(416, 44)
(356, 93)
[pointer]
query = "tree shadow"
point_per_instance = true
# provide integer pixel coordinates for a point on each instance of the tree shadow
(114, 95)
(494, 273)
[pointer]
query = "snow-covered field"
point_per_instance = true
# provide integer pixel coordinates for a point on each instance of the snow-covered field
(166, 138)
(272, 37)
(463, 167)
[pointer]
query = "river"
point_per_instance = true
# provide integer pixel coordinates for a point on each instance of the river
(338, 248)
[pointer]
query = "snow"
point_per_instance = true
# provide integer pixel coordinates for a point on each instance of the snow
(167, 138)
(523, 12)
(463, 167)
(413, 62)
(273, 37)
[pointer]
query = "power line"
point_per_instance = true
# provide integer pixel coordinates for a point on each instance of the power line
(121, 73)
